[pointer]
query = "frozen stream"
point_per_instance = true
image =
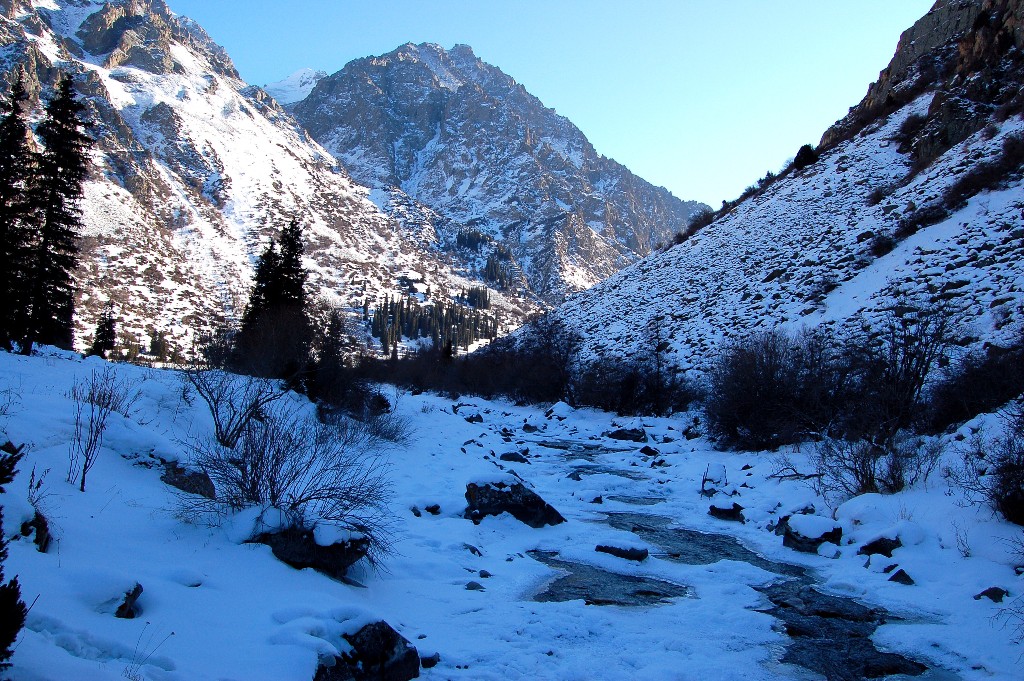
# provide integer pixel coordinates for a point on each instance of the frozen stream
(829, 634)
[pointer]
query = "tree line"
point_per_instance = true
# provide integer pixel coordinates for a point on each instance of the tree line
(41, 186)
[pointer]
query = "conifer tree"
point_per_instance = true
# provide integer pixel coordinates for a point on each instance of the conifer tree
(106, 334)
(63, 167)
(12, 609)
(17, 214)
(276, 334)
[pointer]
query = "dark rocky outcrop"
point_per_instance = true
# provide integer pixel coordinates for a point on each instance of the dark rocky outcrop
(995, 594)
(39, 529)
(882, 545)
(628, 434)
(638, 555)
(799, 542)
(498, 497)
(188, 480)
(298, 548)
(128, 609)
(901, 577)
(379, 653)
(733, 513)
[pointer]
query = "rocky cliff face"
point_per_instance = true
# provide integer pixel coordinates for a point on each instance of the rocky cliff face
(467, 141)
(193, 171)
(918, 198)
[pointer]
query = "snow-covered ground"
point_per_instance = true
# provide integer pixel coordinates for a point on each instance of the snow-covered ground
(214, 608)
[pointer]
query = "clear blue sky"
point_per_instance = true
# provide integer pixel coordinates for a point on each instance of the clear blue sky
(699, 96)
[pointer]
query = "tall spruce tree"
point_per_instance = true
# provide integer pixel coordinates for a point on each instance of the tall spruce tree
(17, 213)
(63, 167)
(276, 334)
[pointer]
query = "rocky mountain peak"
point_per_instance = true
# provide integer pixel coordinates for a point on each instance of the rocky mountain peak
(955, 39)
(139, 33)
(467, 141)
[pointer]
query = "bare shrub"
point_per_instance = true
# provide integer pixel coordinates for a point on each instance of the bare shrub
(991, 470)
(313, 471)
(96, 398)
(234, 401)
(107, 390)
(848, 468)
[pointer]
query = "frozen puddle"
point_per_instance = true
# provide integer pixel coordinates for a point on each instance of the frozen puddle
(595, 586)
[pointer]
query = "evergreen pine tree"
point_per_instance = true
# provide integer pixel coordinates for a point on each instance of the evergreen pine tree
(106, 334)
(12, 609)
(17, 166)
(63, 167)
(276, 334)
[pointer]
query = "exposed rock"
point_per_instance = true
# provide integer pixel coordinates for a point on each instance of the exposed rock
(416, 511)
(467, 141)
(628, 434)
(648, 450)
(433, 509)
(298, 548)
(39, 529)
(514, 457)
(629, 554)
(993, 593)
(882, 545)
(430, 661)
(734, 512)
(815, 537)
(127, 610)
(498, 497)
(901, 577)
(188, 480)
(379, 653)
(474, 586)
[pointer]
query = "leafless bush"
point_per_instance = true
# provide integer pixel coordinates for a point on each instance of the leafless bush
(93, 405)
(313, 471)
(991, 471)
(234, 401)
(107, 391)
(849, 468)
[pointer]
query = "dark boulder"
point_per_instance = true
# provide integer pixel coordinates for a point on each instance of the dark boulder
(628, 434)
(298, 548)
(648, 450)
(629, 554)
(39, 529)
(379, 653)
(514, 457)
(495, 498)
(882, 545)
(800, 542)
(127, 610)
(901, 577)
(733, 513)
(993, 593)
(191, 481)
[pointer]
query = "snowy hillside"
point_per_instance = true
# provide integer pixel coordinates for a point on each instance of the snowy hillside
(498, 599)
(917, 197)
(471, 144)
(194, 171)
(295, 87)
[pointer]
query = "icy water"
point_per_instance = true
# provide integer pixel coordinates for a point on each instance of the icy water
(829, 635)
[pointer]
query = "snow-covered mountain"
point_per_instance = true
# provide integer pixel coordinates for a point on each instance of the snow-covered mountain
(194, 170)
(295, 87)
(469, 143)
(917, 197)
